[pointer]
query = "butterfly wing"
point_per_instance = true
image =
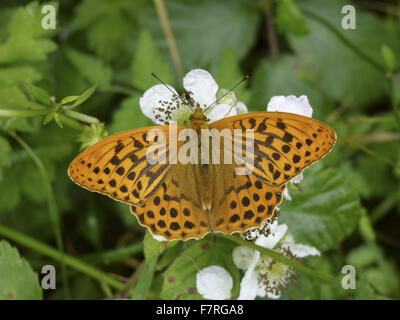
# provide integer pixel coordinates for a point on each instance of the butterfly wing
(284, 143)
(175, 210)
(244, 203)
(117, 166)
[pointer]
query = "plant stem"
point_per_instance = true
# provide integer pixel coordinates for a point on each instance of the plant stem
(51, 203)
(72, 123)
(373, 153)
(271, 32)
(80, 116)
(22, 113)
(281, 258)
(114, 255)
(173, 48)
(116, 88)
(46, 250)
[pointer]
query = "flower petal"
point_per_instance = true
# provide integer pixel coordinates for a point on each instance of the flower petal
(220, 111)
(286, 194)
(151, 106)
(158, 237)
(249, 283)
(201, 86)
(214, 283)
(298, 178)
(243, 257)
(301, 250)
(272, 295)
(271, 241)
(241, 108)
(291, 104)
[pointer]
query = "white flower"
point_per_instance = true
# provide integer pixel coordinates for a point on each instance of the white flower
(214, 283)
(162, 104)
(158, 237)
(295, 105)
(291, 104)
(264, 275)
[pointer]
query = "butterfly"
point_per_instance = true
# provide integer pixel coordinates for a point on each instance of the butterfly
(184, 201)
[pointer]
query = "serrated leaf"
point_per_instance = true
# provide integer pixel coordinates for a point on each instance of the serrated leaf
(151, 247)
(180, 277)
(27, 39)
(146, 60)
(92, 68)
(18, 281)
(111, 28)
(323, 210)
(289, 18)
(38, 94)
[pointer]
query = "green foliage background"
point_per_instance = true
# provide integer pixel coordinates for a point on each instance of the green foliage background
(348, 206)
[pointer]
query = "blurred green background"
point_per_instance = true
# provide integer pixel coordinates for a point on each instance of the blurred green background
(348, 206)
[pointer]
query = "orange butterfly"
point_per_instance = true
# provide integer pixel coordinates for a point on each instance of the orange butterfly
(184, 201)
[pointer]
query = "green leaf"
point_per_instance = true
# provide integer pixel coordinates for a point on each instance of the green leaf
(336, 67)
(111, 28)
(323, 210)
(49, 117)
(146, 277)
(18, 281)
(147, 60)
(286, 77)
(13, 98)
(129, 116)
(180, 277)
(289, 18)
(26, 41)
(92, 68)
(361, 256)
(205, 29)
(58, 120)
(10, 194)
(229, 74)
(38, 94)
(389, 57)
(84, 96)
(152, 248)
(17, 75)
(5, 152)
(68, 99)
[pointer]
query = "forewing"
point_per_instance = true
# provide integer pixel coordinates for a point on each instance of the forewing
(284, 143)
(117, 166)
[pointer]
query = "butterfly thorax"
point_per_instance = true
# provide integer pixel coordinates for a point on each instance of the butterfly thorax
(198, 120)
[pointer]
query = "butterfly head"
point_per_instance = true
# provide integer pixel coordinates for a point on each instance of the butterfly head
(198, 119)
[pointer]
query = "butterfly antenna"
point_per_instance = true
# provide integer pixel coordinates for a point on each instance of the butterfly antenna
(233, 88)
(176, 95)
